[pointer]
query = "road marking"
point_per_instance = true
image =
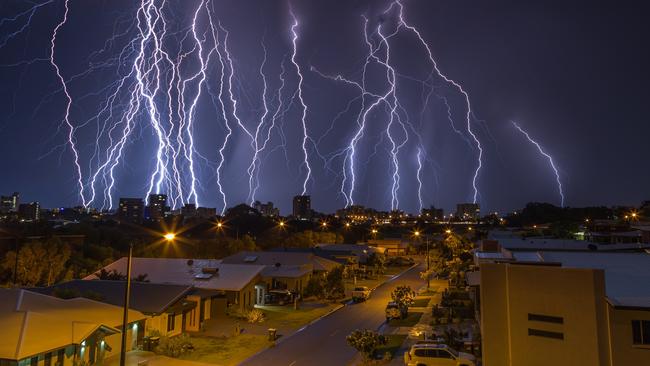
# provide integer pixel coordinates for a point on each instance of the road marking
(293, 363)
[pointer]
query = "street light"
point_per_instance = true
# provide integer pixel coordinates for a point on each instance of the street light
(127, 295)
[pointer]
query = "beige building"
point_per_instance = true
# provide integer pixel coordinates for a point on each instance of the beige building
(216, 286)
(566, 308)
(282, 270)
(41, 330)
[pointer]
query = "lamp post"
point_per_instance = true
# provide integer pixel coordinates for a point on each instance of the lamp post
(127, 295)
(417, 235)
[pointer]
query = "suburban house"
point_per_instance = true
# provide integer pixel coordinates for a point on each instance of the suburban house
(359, 253)
(168, 307)
(216, 286)
(395, 246)
(41, 330)
(552, 307)
(282, 270)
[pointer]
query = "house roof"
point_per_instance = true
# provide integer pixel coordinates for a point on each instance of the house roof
(307, 260)
(209, 274)
(627, 275)
(34, 323)
(534, 244)
(149, 298)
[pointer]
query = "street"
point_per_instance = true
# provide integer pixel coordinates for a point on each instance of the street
(323, 342)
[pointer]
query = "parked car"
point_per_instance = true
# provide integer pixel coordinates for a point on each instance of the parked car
(401, 261)
(426, 354)
(394, 311)
(360, 293)
(278, 297)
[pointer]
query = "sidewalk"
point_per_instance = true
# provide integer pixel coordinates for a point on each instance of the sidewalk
(423, 326)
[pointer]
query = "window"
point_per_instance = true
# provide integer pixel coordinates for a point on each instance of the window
(48, 359)
(33, 361)
(640, 331)
(60, 354)
(171, 320)
(546, 318)
(545, 333)
(444, 354)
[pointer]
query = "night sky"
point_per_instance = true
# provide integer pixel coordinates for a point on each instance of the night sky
(574, 74)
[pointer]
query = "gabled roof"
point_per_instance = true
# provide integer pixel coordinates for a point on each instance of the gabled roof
(149, 298)
(209, 274)
(34, 323)
(284, 259)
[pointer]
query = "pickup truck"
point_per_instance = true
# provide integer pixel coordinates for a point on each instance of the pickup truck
(361, 293)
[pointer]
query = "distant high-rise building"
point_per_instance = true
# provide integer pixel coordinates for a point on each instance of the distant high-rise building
(29, 211)
(157, 207)
(131, 209)
(9, 203)
(206, 212)
(189, 210)
(468, 211)
(302, 207)
(433, 213)
(266, 209)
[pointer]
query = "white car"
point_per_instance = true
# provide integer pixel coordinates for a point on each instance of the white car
(427, 354)
(360, 293)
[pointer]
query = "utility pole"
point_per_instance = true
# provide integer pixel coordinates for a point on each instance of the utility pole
(125, 316)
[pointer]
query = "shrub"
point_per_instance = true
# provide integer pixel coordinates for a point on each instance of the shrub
(174, 346)
(403, 296)
(365, 341)
(255, 316)
(314, 287)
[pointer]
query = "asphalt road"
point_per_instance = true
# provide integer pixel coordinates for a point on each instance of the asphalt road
(323, 342)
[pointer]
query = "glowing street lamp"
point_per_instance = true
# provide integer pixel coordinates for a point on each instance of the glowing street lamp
(169, 236)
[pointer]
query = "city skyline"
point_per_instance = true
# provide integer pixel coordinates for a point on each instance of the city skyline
(523, 85)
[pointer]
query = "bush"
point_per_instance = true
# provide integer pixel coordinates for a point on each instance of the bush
(255, 316)
(314, 287)
(365, 341)
(174, 346)
(403, 296)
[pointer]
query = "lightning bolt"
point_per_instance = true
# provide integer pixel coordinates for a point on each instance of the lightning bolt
(303, 118)
(252, 185)
(419, 178)
(458, 86)
(547, 156)
(66, 118)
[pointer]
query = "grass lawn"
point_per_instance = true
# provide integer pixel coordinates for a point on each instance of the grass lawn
(411, 319)
(225, 350)
(392, 346)
(286, 316)
(421, 302)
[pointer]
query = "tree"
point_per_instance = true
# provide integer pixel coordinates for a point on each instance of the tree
(403, 296)
(39, 263)
(365, 341)
(377, 262)
(114, 275)
(334, 286)
(314, 287)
